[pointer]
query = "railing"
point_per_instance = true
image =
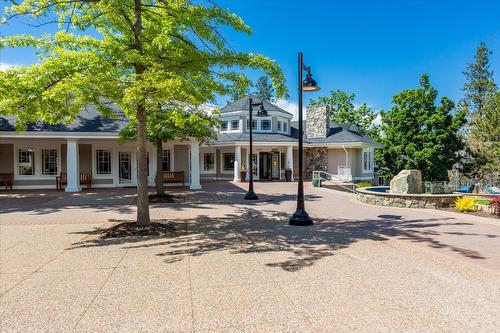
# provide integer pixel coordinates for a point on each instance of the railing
(336, 179)
(344, 172)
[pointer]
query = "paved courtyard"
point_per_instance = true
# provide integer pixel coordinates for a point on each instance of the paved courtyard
(235, 266)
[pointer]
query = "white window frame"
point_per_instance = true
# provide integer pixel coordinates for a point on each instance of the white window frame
(235, 121)
(261, 120)
(37, 146)
(42, 162)
(253, 121)
(212, 169)
(229, 121)
(279, 126)
(369, 162)
(95, 162)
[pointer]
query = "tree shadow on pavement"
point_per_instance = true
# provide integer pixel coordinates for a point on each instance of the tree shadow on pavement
(251, 230)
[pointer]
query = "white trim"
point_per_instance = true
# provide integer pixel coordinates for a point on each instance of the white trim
(245, 113)
(370, 160)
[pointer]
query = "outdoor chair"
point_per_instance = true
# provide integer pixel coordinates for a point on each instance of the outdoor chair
(61, 180)
(86, 179)
(466, 189)
(493, 190)
(7, 179)
(173, 177)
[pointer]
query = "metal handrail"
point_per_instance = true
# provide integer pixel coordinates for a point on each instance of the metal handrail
(321, 175)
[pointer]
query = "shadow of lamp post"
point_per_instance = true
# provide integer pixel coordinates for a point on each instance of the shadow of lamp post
(261, 113)
(300, 217)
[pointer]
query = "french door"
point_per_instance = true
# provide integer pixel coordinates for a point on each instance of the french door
(124, 167)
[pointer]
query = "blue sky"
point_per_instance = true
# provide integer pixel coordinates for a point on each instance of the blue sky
(372, 48)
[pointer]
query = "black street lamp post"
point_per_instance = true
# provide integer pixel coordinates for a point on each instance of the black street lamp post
(261, 113)
(300, 217)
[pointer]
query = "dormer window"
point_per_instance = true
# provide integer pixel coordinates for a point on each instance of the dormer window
(265, 124)
(254, 124)
(235, 125)
(223, 126)
(285, 127)
(279, 126)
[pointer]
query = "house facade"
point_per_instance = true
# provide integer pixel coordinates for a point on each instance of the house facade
(89, 145)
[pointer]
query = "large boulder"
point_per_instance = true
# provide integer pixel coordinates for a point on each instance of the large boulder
(407, 181)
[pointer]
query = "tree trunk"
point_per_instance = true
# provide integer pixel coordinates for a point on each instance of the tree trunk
(142, 141)
(142, 177)
(160, 190)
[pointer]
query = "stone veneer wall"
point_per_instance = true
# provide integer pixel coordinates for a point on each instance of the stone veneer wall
(407, 200)
(318, 122)
(316, 159)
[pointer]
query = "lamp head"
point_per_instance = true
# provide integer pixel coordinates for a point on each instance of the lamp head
(262, 112)
(309, 84)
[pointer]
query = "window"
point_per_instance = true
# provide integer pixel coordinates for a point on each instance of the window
(49, 161)
(285, 127)
(223, 126)
(228, 161)
(254, 125)
(208, 162)
(235, 125)
(165, 160)
(265, 125)
(283, 161)
(26, 162)
(103, 159)
(279, 126)
(367, 160)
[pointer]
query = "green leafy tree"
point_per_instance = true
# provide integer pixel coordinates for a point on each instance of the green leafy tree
(480, 103)
(239, 89)
(176, 121)
(484, 140)
(264, 89)
(343, 110)
(417, 134)
(137, 54)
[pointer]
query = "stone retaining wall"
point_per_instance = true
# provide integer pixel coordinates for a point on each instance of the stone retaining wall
(406, 200)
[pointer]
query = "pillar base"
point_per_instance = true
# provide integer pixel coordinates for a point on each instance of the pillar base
(71, 189)
(195, 187)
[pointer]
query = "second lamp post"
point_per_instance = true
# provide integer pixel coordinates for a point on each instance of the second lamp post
(261, 113)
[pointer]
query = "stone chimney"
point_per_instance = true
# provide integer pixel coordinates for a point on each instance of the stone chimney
(317, 121)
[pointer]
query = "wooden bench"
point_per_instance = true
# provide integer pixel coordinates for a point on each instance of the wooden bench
(173, 177)
(61, 181)
(7, 179)
(86, 179)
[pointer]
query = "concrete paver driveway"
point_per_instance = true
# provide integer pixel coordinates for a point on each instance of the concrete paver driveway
(238, 266)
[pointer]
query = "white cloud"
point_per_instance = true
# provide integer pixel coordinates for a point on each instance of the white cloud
(290, 107)
(4, 66)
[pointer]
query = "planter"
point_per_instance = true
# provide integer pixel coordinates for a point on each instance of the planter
(288, 175)
(243, 176)
(316, 182)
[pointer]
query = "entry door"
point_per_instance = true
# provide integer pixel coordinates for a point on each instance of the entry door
(125, 167)
(276, 166)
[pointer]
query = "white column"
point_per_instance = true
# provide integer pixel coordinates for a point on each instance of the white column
(72, 166)
(289, 159)
(195, 166)
(237, 163)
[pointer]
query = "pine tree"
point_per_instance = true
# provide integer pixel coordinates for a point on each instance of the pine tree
(264, 89)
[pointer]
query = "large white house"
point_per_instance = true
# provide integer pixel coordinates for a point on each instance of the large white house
(89, 145)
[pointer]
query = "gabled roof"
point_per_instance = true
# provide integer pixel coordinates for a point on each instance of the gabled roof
(243, 104)
(337, 134)
(89, 120)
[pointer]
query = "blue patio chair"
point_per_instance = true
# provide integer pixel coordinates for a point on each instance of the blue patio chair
(466, 189)
(492, 190)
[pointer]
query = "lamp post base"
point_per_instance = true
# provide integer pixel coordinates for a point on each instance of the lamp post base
(251, 196)
(300, 217)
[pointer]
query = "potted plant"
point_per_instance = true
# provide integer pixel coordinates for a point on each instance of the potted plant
(288, 175)
(243, 173)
